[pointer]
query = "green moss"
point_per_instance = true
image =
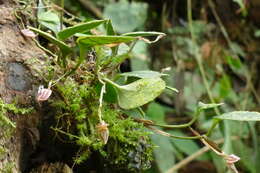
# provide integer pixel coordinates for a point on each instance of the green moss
(7, 129)
(8, 168)
(77, 114)
(4, 108)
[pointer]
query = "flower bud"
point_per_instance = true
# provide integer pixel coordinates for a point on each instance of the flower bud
(28, 33)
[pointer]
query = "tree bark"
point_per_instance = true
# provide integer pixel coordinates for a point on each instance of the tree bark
(18, 83)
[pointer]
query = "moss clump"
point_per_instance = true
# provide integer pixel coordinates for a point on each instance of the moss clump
(76, 112)
(7, 129)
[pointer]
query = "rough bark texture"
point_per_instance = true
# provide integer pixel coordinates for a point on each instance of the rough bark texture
(17, 82)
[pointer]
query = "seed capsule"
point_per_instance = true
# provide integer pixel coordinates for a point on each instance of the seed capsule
(103, 131)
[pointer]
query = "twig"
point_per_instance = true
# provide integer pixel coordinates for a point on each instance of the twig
(195, 155)
(173, 136)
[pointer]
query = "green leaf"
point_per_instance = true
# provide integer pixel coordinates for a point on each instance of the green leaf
(164, 153)
(240, 116)
(94, 40)
(203, 106)
(63, 46)
(110, 95)
(50, 20)
(246, 152)
(143, 74)
(156, 113)
(234, 62)
(225, 86)
(83, 27)
(109, 28)
(257, 33)
(139, 92)
(126, 16)
(185, 146)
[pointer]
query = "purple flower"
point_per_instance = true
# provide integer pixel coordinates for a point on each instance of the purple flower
(43, 94)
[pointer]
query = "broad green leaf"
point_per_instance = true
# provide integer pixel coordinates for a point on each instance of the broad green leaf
(83, 27)
(144, 34)
(126, 16)
(164, 153)
(95, 40)
(240, 116)
(64, 47)
(50, 20)
(139, 92)
(143, 74)
(202, 106)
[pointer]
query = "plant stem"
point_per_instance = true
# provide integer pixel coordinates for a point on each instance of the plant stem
(111, 82)
(61, 14)
(201, 68)
(173, 136)
(181, 125)
(103, 90)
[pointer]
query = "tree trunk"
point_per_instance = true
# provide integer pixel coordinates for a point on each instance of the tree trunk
(19, 60)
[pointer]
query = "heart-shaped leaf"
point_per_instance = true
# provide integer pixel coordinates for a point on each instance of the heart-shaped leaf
(139, 92)
(83, 27)
(50, 20)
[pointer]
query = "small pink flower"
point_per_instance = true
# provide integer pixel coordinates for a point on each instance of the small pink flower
(43, 94)
(28, 33)
(231, 159)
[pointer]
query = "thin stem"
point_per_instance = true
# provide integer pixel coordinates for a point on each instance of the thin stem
(111, 82)
(181, 125)
(141, 111)
(61, 14)
(173, 136)
(201, 68)
(172, 89)
(103, 90)
(65, 133)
